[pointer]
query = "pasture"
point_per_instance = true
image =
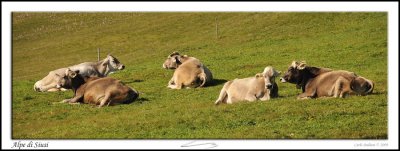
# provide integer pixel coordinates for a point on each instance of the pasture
(244, 45)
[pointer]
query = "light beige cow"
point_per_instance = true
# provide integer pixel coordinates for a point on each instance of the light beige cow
(260, 87)
(95, 69)
(189, 72)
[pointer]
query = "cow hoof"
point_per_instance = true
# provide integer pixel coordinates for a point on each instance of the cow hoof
(65, 101)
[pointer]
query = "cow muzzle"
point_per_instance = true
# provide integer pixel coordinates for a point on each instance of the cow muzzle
(282, 80)
(268, 86)
(36, 89)
(122, 67)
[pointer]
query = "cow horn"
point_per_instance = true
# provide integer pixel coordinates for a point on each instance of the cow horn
(67, 71)
(174, 53)
(302, 65)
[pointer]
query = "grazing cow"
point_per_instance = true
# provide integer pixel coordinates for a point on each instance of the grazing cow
(189, 71)
(323, 82)
(262, 87)
(97, 69)
(98, 91)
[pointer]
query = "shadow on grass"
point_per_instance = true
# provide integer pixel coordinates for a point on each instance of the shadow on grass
(141, 100)
(133, 81)
(216, 82)
(378, 93)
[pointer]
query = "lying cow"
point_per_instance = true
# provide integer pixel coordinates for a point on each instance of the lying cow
(323, 82)
(261, 87)
(98, 91)
(189, 72)
(97, 69)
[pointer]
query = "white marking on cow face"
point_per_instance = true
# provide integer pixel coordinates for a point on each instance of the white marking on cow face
(172, 61)
(269, 75)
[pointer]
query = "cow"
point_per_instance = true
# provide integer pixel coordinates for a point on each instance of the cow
(189, 72)
(260, 87)
(98, 91)
(318, 82)
(97, 69)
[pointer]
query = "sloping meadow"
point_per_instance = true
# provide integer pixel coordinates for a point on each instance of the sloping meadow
(232, 45)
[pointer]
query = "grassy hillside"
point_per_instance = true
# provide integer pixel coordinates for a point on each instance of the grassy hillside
(246, 43)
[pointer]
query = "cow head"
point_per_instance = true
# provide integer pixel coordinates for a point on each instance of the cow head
(173, 61)
(52, 82)
(113, 63)
(72, 79)
(269, 75)
(362, 85)
(294, 72)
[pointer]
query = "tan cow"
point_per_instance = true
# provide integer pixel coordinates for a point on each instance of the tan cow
(323, 82)
(189, 72)
(261, 87)
(97, 69)
(98, 91)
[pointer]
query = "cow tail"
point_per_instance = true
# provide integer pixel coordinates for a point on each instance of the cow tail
(223, 94)
(203, 78)
(372, 87)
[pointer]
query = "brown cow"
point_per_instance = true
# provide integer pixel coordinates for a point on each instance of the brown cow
(189, 72)
(323, 82)
(98, 91)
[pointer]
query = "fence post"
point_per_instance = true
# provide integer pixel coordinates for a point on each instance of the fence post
(98, 54)
(216, 28)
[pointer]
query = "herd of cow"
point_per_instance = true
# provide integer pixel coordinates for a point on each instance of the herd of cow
(90, 83)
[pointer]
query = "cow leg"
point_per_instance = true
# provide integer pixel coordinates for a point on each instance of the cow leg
(309, 92)
(265, 97)
(63, 89)
(229, 100)
(250, 98)
(303, 96)
(74, 100)
(223, 95)
(105, 100)
(53, 90)
(342, 87)
(171, 82)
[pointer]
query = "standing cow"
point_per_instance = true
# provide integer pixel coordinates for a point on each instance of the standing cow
(261, 87)
(98, 91)
(97, 69)
(323, 82)
(189, 72)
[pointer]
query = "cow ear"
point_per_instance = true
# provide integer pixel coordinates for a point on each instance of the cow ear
(70, 73)
(302, 65)
(67, 71)
(259, 75)
(276, 73)
(178, 58)
(105, 63)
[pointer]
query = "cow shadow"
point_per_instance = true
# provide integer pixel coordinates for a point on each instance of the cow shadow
(133, 81)
(216, 82)
(141, 100)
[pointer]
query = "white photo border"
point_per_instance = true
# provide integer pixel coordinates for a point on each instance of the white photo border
(393, 48)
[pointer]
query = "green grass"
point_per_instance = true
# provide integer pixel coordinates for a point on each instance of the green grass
(246, 44)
